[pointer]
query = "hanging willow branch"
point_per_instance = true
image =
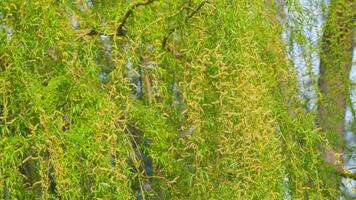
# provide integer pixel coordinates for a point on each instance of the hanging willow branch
(347, 173)
(121, 30)
(172, 30)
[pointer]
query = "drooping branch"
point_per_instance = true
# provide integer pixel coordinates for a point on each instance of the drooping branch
(172, 30)
(195, 11)
(347, 173)
(139, 160)
(121, 30)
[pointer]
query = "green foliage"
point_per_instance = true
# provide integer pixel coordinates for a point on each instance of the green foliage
(220, 112)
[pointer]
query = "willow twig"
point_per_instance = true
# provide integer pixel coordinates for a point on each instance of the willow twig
(172, 30)
(121, 29)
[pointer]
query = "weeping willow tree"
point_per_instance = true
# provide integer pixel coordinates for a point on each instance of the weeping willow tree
(152, 99)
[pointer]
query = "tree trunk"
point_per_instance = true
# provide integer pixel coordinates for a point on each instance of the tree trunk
(335, 66)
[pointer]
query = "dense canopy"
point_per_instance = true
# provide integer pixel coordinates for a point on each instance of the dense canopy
(185, 99)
